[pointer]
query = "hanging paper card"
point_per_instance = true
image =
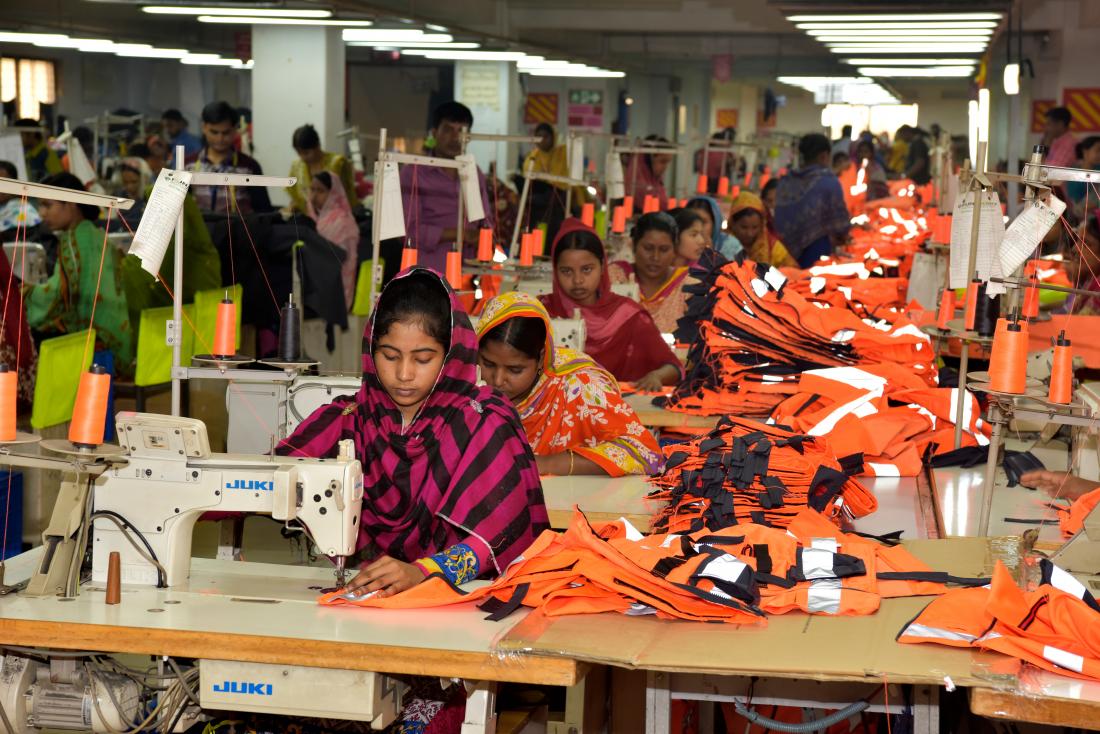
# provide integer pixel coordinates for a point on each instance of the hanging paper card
(78, 163)
(576, 158)
(614, 168)
(1028, 230)
(158, 221)
(471, 188)
(990, 234)
(392, 223)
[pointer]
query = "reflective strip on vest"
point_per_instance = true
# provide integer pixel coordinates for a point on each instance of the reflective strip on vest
(724, 568)
(829, 544)
(818, 564)
(823, 596)
(1064, 659)
(883, 470)
(935, 633)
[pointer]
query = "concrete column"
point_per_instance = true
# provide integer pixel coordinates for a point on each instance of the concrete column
(298, 78)
(491, 90)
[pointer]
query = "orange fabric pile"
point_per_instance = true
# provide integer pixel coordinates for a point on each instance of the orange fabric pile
(753, 335)
(749, 472)
(884, 412)
(735, 575)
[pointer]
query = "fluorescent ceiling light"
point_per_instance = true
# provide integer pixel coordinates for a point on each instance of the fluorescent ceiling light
(893, 26)
(259, 20)
(255, 12)
(208, 60)
(887, 17)
(934, 72)
(1012, 79)
(413, 44)
(906, 48)
(151, 53)
(394, 35)
(467, 55)
(956, 36)
(911, 62)
(13, 37)
(577, 73)
(80, 43)
(436, 28)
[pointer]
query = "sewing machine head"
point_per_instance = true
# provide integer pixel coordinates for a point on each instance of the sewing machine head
(171, 478)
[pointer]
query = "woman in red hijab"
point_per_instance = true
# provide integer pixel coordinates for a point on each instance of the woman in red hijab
(621, 334)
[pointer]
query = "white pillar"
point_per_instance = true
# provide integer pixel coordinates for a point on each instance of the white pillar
(491, 90)
(298, 78)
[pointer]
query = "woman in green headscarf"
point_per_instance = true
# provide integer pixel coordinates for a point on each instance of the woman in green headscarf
(64, 303)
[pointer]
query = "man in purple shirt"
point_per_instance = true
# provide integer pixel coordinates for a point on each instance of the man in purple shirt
(430, 194)
(1061, 145)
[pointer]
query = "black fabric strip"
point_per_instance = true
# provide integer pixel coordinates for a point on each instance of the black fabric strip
(891, 539)
(936, 577)
(503, 609)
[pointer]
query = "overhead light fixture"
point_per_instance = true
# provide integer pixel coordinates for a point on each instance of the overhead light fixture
(394, 35)
(910, 71)
(14, 37)
(910, 62)
(261, 20)
(894, 26)
(845, 90)
(1012, 79)
(436, 28)
(150, 53)
(891, 17)
(238, 11)
(583, 72)
(948, 34)
(398, 45)
(77, 43)
(446, 55)
(906, 48)
(208, 60)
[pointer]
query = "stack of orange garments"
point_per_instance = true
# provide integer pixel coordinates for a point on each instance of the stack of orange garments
(884, 412)
(864, 284)
(753, 335)
(1055, 626)
(735, 575)
(749, 472)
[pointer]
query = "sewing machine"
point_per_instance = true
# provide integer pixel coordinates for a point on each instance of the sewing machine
(145, 502)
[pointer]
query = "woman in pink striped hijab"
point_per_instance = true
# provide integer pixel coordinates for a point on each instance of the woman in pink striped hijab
(450, 484)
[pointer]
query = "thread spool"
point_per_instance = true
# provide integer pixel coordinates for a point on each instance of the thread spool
(539, 242)
(526, 251)
(408, 258)
(618, 220)
(290, 332)
(735, 191)
(114, 579)
(748, 178)
(1031, 300)
(782, 172)
(971, 314)
(90, 409)
(764, 178)
(588, 214)
(701, 184)
(989, 310)
(454, 269)
(628, 205)
(225, 329)
(947, 308)
(724, 186)
(1061, 371)
(649, 204)
(1008, 358)
(9, 389)
(485, 244)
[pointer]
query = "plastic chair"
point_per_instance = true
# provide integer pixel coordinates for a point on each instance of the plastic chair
(61, 360)
(364, 298)
(205, 318)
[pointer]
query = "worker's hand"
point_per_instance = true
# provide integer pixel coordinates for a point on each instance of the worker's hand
(1058, 483)
(650, 382)
(387, 576)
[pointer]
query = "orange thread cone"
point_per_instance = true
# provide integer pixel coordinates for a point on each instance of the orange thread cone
(1031, 301)
(539, 242)
(90, 409)
(485, 244)
(408, 258)
(114, 579)
(701, 184)
(225, 329)
(1008, 358)
(526, 254)
(588, 214)
(724, 186)
(947, 308)
(9, 388)
(735, 191)
(748, 178)
(1061, 371)
(618, 220)
(972, 304)
(628, 205)
(764, 179)
(454, 269)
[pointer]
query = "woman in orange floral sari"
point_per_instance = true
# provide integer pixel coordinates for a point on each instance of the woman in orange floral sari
(575, 417)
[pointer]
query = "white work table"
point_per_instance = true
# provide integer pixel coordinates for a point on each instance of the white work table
(267, 613)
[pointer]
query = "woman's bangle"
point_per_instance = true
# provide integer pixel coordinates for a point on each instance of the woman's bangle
(572, 456)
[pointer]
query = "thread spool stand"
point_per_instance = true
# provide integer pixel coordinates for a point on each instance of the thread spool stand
(290, 354)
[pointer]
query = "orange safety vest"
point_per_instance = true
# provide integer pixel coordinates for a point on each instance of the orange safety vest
(1072, 519)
